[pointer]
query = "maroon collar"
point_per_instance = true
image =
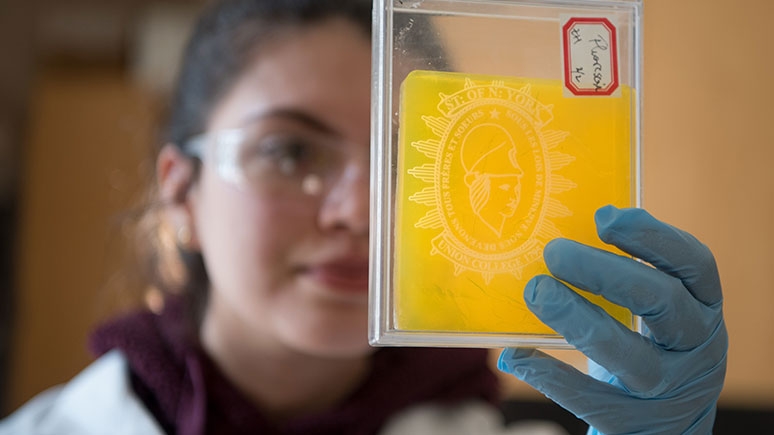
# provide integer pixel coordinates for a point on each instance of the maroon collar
(188, 395)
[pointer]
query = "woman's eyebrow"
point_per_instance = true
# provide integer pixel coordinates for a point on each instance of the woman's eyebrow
(296, 115)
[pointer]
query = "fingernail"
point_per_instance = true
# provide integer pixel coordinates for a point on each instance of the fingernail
(511, 360)
(503, 363)
(605, 216)
(552, 253)
(530, 290)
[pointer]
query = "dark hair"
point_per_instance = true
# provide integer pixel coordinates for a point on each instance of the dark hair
(227, 37)
(225, 40)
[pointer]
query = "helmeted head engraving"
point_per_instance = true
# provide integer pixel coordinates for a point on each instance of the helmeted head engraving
(494, 187)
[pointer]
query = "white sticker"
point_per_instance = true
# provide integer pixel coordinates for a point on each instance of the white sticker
(590, 53)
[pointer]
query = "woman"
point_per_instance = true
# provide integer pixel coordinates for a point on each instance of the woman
(264, 195)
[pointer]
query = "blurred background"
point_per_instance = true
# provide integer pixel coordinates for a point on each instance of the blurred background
(82, 91)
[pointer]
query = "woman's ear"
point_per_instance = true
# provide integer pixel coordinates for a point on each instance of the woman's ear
(175, 172)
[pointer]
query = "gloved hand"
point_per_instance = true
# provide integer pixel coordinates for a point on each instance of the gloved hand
(666, 381)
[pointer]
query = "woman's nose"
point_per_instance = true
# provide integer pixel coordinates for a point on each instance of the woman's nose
(346, 205)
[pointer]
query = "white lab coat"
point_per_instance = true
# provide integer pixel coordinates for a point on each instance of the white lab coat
(100, 401)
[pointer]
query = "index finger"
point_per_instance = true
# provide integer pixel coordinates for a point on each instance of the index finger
(669, 249)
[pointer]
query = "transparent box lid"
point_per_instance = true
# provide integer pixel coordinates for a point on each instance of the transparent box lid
(498, 126)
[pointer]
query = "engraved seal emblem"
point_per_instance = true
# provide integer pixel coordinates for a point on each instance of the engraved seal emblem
(491, 179)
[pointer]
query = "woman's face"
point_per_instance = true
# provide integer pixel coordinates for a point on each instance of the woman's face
(289, 266)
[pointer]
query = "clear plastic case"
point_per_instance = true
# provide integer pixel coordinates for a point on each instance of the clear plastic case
(498, 126)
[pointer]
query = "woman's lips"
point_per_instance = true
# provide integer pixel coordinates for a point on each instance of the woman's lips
(346, 276)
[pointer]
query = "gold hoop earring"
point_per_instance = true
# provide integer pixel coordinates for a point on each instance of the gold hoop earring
(184, 236)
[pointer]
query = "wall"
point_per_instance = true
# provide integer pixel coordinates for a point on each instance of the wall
(75, 127)
(708, 111)
(90, 133)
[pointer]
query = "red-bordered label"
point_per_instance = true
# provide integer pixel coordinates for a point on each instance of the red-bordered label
(590, 46)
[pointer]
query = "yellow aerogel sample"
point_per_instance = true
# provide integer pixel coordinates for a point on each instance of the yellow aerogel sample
(490, 169)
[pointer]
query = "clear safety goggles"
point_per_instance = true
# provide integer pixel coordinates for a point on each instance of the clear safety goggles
(281, 162)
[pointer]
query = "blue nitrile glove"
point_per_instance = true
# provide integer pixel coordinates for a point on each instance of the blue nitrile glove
(666, 381)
